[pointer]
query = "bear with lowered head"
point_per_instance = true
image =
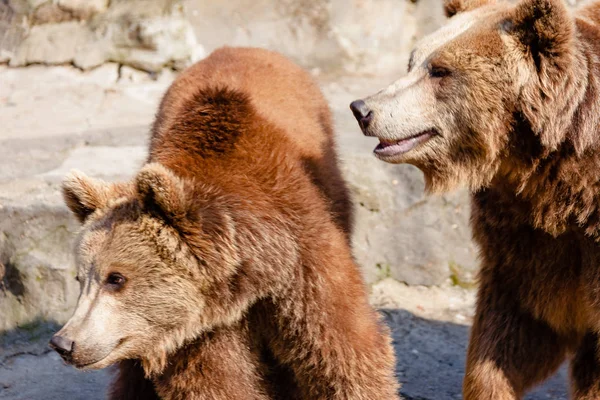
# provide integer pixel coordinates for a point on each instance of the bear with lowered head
(223, 270)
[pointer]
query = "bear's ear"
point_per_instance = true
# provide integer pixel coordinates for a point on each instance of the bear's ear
(544, 27)
(161, 191)
(85, 195)
(453, 7)
(545, 30)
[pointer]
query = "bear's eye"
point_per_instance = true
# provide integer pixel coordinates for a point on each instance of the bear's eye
(438, 72)
(115, 281)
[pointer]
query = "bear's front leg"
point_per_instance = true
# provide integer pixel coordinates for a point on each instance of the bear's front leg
(509, 350)
(585, 369)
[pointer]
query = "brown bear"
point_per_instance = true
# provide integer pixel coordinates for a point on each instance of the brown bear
(223, 270)
(505, 98)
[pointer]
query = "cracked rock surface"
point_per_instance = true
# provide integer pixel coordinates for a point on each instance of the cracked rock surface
(148, 35)
(333, 35)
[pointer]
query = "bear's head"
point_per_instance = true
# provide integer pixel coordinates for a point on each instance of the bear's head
(498, 78)
(159, 261)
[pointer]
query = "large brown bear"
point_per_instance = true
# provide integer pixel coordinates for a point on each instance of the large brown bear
(223, 270)
(506, 98)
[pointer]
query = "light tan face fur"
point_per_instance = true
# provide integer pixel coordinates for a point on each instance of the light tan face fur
(452, 113)
(408, 106)
(143, 290)
(137, 284)
(162, 260)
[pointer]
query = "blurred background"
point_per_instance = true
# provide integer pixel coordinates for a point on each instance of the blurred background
(80, 81)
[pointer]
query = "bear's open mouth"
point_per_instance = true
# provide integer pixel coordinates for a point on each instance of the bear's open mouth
(388, 148)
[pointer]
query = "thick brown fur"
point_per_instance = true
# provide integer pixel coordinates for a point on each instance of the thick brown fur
(516, 112)
(233, 242)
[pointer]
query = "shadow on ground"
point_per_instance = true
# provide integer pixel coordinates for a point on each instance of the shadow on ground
(431, 361)
(29, 370)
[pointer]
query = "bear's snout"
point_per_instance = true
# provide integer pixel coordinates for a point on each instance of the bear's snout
(362, 113)
(63, 346)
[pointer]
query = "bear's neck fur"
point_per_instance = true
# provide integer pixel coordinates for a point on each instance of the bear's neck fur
(552, 182)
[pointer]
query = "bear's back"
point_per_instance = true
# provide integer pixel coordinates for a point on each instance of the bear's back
(279, 91)
(246, 112)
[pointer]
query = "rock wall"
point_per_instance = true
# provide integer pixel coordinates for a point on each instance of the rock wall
(149, 35)
(57, 118)
(354, 36)
(350, 36)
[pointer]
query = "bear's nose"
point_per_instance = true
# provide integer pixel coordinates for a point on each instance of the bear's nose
(62, 346)
(362, 113)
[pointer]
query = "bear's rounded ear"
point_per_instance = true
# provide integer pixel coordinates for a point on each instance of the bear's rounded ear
(544, 27)
(162, 192)
(84, 195)
(453, 7)
(546, 32)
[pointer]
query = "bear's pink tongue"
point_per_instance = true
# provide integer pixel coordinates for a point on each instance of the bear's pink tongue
(402, 146)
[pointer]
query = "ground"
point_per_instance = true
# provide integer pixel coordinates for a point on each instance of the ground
(430, 329)
(58, 118)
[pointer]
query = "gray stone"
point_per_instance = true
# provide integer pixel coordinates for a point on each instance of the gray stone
(32, 377)
(108, 162)
(358, 36)
(96, 125)
(12, 31)
(39, 279)
(53, 44)
(83, 8)
(37, 232)
(33, 4)
(403, 233)
(146, 35)
(365, 36)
